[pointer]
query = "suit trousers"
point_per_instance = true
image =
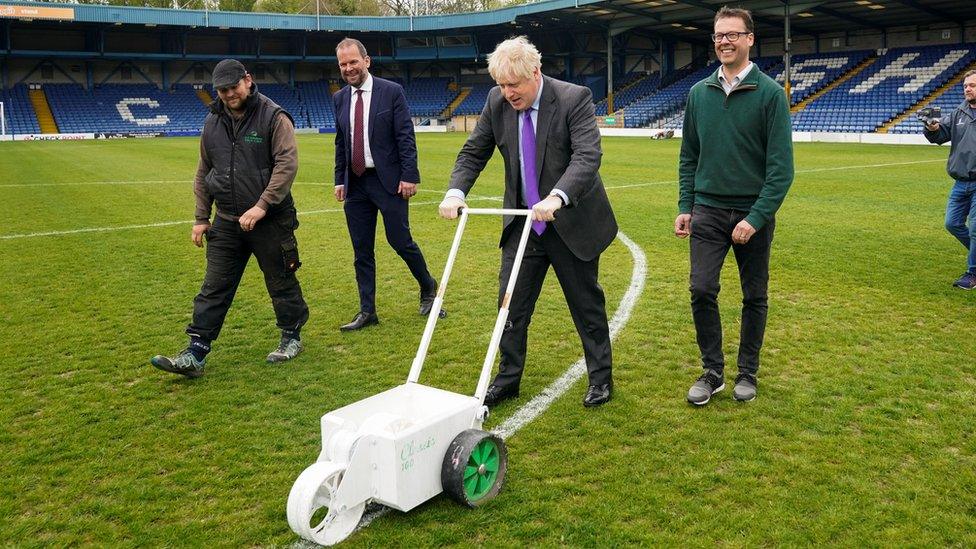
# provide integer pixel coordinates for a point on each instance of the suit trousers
(365, 197)
(711, 238)
(584, 295)
(229, 248)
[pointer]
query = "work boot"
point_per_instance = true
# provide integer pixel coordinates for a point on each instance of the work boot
(184, 364)
(288, 349)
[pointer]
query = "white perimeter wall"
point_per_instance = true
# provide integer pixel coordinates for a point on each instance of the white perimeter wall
(798, 137)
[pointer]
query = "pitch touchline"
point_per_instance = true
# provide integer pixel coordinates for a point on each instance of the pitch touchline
(334, 210)
(317, 184)
(541, 402)
(171, 223)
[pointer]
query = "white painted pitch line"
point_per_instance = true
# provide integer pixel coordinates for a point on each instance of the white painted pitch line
(166, 224)
(840, 168)
(541, 402)
(334, 210)
(93, 230)
(558, 388)
(320, 184)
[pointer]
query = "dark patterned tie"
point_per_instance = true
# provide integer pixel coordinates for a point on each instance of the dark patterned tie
(528, 159)
(358, 151)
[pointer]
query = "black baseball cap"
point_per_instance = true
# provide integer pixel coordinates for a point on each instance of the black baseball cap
(228, 73)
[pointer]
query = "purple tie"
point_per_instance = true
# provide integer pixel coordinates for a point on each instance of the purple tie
(528, 159)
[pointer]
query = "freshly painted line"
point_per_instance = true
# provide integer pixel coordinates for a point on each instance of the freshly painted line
(320, 184)
(556, 389)
(162, 224)
(94, 230)
(334, 210)
(841, 168)
(541, 402)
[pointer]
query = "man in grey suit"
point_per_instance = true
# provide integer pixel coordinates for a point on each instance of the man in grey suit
(549, 169)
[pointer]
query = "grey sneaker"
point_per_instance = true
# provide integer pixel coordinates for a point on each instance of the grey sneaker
(745, 387)
(184, 364)
(707, 385)
(287, 350)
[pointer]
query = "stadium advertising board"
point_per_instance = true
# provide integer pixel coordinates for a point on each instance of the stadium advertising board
(30, 12)
(53, 136)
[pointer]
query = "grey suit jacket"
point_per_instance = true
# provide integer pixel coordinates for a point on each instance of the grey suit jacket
(567, 158)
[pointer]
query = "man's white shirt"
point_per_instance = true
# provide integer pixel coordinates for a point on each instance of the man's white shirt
(736, 80)
(367, 88)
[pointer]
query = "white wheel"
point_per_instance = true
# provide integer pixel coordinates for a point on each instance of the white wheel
(314, 513)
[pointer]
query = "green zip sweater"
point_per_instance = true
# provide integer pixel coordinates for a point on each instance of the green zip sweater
(737, 150)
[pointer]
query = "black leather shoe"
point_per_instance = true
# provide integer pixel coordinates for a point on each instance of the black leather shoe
(597, 395)
(360, 321)
(496, 395)
(427, 302)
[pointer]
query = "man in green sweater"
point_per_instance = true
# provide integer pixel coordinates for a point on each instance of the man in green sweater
(736, 166)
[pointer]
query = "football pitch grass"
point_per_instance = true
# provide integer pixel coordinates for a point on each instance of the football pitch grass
(862, 433)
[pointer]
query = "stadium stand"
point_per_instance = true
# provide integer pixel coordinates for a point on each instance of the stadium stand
(18, 111)
(125, 108)
(633, 87)
(664, 107)
(289, 100)
(428, 96)
(836, 92)
(896, 81)
(951, 98)
(475, 101)
(811, 73)
(666, 101)
(317, 99)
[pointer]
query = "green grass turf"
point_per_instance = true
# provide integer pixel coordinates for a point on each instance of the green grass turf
(862, 434)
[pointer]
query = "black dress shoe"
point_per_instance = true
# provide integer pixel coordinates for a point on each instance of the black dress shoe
(360, 321)
(427, 302)
(496, 394)
(597, 395)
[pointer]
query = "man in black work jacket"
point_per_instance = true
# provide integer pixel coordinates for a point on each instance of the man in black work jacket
(248, 161)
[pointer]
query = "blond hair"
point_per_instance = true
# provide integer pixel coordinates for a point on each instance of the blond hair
(514, 58)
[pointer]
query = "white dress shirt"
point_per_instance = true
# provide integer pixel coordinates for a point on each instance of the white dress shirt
(367, 88)
(534, 115)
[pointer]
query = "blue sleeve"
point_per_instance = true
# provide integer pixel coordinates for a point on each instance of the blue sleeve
(405, 141)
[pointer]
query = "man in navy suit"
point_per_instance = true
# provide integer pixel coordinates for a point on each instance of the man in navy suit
(376, 171)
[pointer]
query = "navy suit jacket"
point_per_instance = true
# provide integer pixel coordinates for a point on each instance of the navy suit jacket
(391, 139)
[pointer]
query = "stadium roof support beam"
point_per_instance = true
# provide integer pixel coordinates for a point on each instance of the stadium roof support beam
(611, 35)
(787, 42)
(55, 66)
(128, 64)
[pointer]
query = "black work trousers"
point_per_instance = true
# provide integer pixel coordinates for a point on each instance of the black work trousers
(272, 242)
(711, 238)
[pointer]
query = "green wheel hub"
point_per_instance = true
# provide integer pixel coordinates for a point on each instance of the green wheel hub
(481, 470)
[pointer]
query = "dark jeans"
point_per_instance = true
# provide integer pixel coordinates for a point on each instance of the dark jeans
(584, 295)
(962, 204)
(711, 238)
(365, 197)
(229, 248)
